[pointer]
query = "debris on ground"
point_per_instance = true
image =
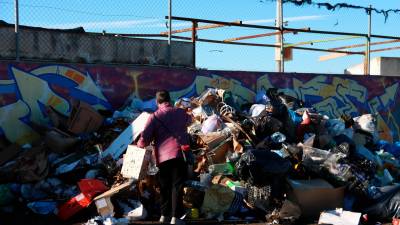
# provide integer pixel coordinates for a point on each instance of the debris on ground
(277, 161)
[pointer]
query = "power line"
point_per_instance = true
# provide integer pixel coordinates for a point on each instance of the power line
(333, 7)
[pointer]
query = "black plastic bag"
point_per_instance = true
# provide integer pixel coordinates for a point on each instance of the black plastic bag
(387, 205)
(265, 125)
(261, 167)
(290, 102)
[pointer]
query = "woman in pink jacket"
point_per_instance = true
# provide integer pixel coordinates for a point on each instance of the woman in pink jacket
(167, 128)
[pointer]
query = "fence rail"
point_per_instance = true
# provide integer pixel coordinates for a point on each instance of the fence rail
(162, 20)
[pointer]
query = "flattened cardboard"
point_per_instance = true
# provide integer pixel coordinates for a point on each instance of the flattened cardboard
(59, 141)
(339, 217)
(120, 144)
(115, 190)
(315, 196)
(84, 119)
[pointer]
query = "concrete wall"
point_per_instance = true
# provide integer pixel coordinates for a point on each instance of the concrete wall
(390, 66)
(80, 47)
(26, 88)
(387, 66)
(375, 68)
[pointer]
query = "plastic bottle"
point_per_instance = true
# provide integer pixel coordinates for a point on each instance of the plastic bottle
(194, 213)
(196, 185)
(278, 137)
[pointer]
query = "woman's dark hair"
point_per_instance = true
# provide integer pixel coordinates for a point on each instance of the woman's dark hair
(162, 96)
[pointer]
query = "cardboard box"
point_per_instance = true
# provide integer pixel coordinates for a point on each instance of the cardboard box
(315, 196)
(136, 161)
(103, 202)
(129, 135)
(105, 207)
(84, 119)
(60, 142)
(212, 140)
(217, 146)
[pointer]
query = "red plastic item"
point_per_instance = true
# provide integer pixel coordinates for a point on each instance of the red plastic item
(74, 205)
(306, 118)
(92, 187)
(89, 188)
(185, 148)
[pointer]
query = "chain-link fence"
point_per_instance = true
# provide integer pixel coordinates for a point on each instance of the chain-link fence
(136, 32)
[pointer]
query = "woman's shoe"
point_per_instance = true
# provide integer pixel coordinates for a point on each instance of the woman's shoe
(177, 221)
(164, 219)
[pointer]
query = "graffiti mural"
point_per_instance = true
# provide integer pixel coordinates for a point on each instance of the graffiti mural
(351, 95)
(26, 89)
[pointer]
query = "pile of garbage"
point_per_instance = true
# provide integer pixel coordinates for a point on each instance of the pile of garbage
(276, 161)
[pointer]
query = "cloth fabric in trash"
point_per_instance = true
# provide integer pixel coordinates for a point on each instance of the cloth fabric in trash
(212, 124)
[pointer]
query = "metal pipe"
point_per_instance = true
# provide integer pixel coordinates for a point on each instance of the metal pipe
(257, 36)
(321, 41)
(211, 26)
(369, 40)
(16, 30)
(194, 38)
(169, 32)
(362, 45)
(266, 45)
(285, 28)
(277, 37)
(282, 49)
(241, 24)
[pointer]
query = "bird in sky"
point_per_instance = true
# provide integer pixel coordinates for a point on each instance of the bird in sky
(337, 23)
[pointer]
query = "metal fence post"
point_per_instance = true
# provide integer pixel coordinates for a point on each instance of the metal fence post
(169, 32)
(282, 49)
(279, 38)
(194, 38)
(16, 25)
(368, 69)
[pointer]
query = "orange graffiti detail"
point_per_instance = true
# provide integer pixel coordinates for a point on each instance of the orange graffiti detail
(54, 101)
(75, 76)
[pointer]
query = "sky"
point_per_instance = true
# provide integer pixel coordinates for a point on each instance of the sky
(148, 16)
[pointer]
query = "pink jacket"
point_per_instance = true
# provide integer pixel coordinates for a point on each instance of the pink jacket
(166, 146)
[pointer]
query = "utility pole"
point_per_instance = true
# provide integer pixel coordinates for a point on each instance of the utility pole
(169, 32)
(16, 29)
(279, 38)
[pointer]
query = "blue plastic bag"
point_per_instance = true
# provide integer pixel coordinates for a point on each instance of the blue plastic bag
(43, 207)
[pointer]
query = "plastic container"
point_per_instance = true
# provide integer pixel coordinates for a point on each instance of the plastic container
(278, 137)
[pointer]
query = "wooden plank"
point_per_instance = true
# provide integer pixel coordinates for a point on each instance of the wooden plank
(115, 190)
(331, 56)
